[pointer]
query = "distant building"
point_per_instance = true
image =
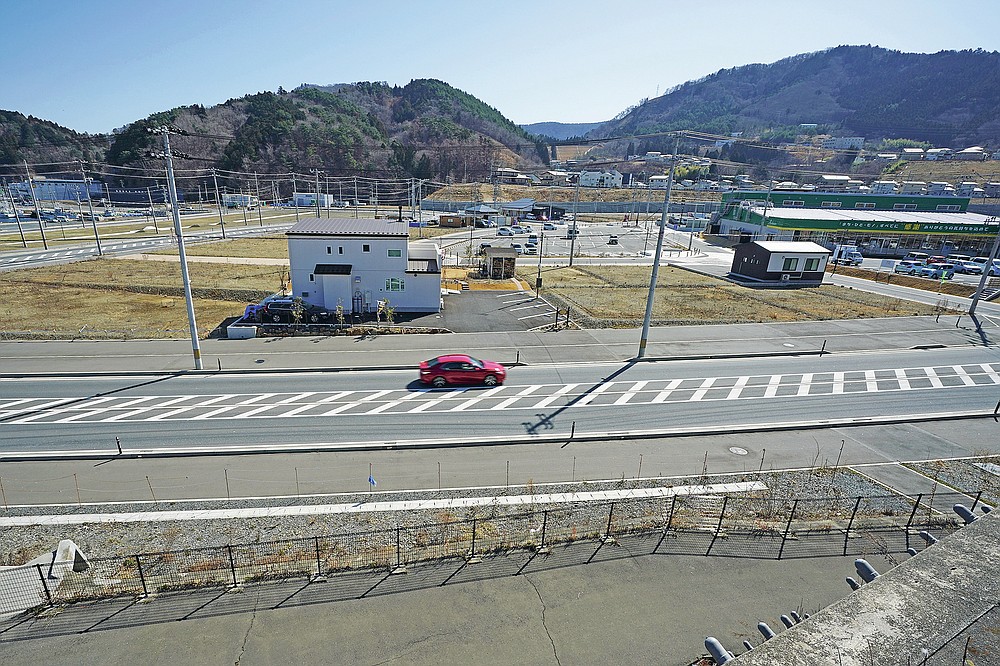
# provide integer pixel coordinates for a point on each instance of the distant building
(844, 143)
(58, 189)
(612, 178)
(913, 154)
(971, 154)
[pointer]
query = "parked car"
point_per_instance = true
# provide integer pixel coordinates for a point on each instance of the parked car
(548, 226)
(531, 249)
(518, 229)
(958, 258)
(285, 309)
(968, 268)
(612, 239)
(938, 271)
(483, 246)
(937, 259)
(908, 267)
(457, 369)
(517, 247)
(505, 231)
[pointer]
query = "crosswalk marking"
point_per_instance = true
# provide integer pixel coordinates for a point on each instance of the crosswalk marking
(400, 402)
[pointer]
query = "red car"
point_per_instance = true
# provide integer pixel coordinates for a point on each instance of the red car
(461, 369)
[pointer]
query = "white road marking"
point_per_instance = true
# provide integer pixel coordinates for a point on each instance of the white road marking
(964, 376)
(665, 393)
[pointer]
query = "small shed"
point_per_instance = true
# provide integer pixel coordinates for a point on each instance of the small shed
(499, 263)
(780, 263)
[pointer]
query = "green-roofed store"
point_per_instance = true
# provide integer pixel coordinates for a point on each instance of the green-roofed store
(881, 225)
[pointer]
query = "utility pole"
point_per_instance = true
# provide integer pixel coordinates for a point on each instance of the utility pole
(541, 251)
(355, 197)
(656, 256)
(90, 205)
(376, 198)
(172, 188)
(572, 236)
(256, 187)
(218, 204)
(38, 212)
(17, 216)
(316, 171)
(295, 201)
(152, 212)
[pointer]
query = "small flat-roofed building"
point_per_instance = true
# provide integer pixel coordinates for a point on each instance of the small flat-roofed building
(499, 263)
(780, 263)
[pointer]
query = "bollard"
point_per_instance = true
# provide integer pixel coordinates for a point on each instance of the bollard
(787, 621)
(765, 631)
(855, 585)
(964, 513)
(865, 570)
(911, 552)
(719, 653)
(928, 537)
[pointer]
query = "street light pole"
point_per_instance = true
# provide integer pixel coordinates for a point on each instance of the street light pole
(986, 270)
(576, 205)
(656, 256)
(172, 189)
(541, 251)
(256, 187)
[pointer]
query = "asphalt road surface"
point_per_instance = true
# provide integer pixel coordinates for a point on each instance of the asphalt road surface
(279, 411)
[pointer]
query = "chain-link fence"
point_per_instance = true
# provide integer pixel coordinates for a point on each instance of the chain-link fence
(721, 525)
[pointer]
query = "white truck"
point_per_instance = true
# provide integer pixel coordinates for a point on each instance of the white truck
(846, 255)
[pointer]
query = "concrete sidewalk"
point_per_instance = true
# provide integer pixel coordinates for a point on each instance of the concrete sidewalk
(317, 352)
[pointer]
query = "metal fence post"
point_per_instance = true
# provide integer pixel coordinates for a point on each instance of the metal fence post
(788, 526)
(142, 576)
(850, 523)
(399, 561)
(670, 516)
(232, 563)
(319, 560)
(45, 585)
(473, 552)
(545, 522)
(722, 514)
(611, 513)
(976, 501)
(909, 521)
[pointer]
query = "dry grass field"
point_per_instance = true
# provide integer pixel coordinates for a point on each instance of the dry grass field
(949, 170)
(616, 296)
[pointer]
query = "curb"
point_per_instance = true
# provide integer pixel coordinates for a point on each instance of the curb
(512, 364)
(693, 431)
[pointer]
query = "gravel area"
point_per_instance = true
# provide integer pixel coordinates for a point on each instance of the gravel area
(98, 540)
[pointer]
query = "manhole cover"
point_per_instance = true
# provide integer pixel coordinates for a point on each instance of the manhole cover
(738, 450)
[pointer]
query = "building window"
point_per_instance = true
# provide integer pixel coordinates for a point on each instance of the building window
(305, 294)
(949, 208)
(329, 250)
(904, 206)
(830, 204)
(394, 253)
(793, 203)
(366, 248)
(394, 284)
(312, 278)
(790, 264)
(340, 250)
(812, 264)
(864, 204)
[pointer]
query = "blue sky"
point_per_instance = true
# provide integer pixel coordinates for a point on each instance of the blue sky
(100, 64)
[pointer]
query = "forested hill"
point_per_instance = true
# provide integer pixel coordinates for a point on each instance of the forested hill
(948, 98)
(425, 129)
(560, 131)
(26, 138)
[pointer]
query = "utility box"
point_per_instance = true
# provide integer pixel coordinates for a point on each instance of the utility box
(241, 332)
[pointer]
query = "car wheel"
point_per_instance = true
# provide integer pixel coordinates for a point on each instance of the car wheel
(276, 318)
(314, 318)
(490, 380)
(439, 382)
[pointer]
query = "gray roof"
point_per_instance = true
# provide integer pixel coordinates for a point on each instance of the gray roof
(520, 204)
(422, 266)
(862, 215)
(348, 226)
(792, 246)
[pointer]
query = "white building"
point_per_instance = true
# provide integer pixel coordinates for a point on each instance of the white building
(884, 187)
(913, 154)
(356, 263)
(307, 199)
(239, 201)
(600, 178)
(844, 142)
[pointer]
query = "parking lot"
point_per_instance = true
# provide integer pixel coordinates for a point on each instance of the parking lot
(592, 240)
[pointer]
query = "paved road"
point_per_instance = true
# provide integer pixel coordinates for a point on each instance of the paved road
(272, 411)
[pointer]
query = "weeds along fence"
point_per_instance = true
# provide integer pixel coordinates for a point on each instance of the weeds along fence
(719, 525)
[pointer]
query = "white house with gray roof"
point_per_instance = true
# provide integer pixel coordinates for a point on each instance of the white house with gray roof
(355, 263)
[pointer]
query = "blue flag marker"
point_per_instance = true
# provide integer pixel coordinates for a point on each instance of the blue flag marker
(371, 481)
